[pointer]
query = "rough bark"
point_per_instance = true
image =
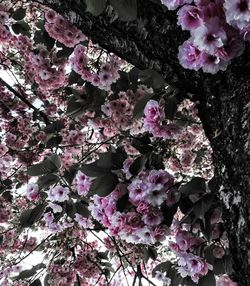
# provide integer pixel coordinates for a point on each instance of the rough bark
(152, 42)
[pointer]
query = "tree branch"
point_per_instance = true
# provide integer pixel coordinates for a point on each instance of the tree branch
(23, 99)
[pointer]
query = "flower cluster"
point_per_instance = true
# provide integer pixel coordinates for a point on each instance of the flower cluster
(192, 147)
(5, 211)
(61, 275)
(153, 122)
(58, 194)
(48, 75)
(83, 183)
(107, 74)
(4, 30)
(61, 30)
(224, 280)
(193, 266)
(218, 30)
(144, 222)
(136, 216)
(32, 192)
(184, 242)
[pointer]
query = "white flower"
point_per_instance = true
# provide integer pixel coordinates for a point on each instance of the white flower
(56, 208)
(59, 194)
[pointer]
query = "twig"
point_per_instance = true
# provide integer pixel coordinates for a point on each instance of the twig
(30, 105)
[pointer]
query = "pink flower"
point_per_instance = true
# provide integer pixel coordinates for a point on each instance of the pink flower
(32, 192)
(190, 56)
(193, 266)
(154, 114)
(153, 217)
(83, 183)
(56, 208)
(142, 207)
(161, 177)
(212, 63)
(137, 191)
(224, 280)
(48, 217)
(189, 17)
(218, 252)
(173, 4)
(183, 240)
(58, 194)
(155, 195)
(145, 235)
(83, 221)
(210, 36)
(237, 12)
(161, 277)
(160, 233)
(4, 16)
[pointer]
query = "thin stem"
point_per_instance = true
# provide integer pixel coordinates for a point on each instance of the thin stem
(23, 99)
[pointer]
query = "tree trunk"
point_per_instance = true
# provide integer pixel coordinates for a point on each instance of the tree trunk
(152, 41)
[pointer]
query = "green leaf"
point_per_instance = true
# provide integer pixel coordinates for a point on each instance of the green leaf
(30, 272)
(162, 267)
(77, 105)
(92, 170)
(30, 216)
(7, 182)
(168, 214)
(78, 207)
(205, 225)
(138, 165)
(40, 24)
(53, 141)
(46, 280)
(95, 7)
(186, 205)
(152, 79)
(208, 280)
(126, 9)
(64, 52)
(104, 185)
(36, 282)
(7, 195)
(19, 14)
(150, 252)
(142, 144)
(111, 160)
(170, 107)
(196, 185)
(54, 127)
(42, 36)
(218, 267)
(228, 264)
(74, 77)
(53, 162)
(103, 255)
(70, 209)
(69, 174)
(37, 170)
(47, 180)
(49, 165)
(82, 209)
(202, 206)
(105, 161)
(122, 84)
(21, 28)
(213, 184)
(122, 202)
(140, 105)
